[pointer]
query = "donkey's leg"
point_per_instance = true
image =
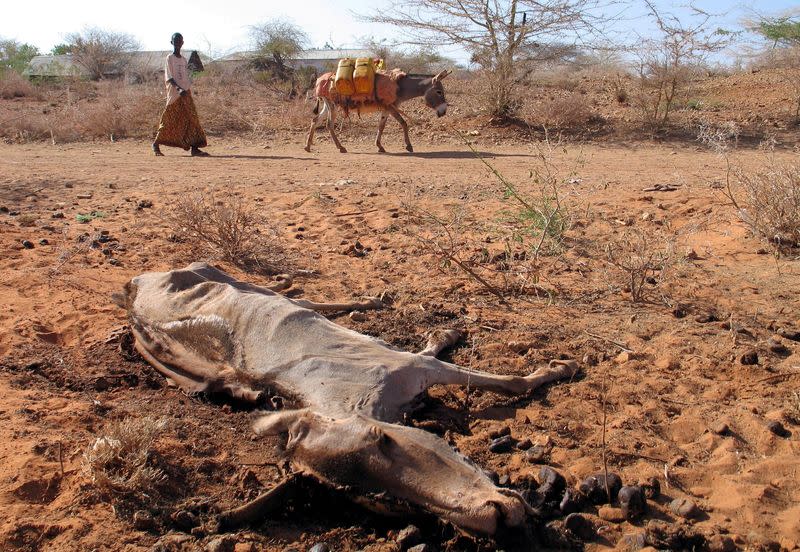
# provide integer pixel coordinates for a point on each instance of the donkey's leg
(369, 303)
(331, 125)
(396, 115)
(437, 372)
(439, 340)
(312, 130)
(381, 126)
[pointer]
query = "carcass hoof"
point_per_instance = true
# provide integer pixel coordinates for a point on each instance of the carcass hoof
(308, 149)
(568, 367)
(410, 149)
(381, 150)
(342, 150)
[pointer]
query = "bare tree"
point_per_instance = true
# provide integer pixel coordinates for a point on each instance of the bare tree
(668, 62)
(277, 41)
(101, 52)
(507, 38)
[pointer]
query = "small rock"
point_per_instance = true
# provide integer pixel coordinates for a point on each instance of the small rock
(500, 432)
(143, 204)
(421, 548)
(721, 429)
(358, 316)
(504, 480)
(320, 547)
(57, 215)
(579, 526)
(536, 454)
(777, 428)
(185, 520)
(775, 346)
(685, 508)
(27, 244)
(3, 209)
(114, 262)
(594, 487)
(143, 520)
(632, 501)
(691, 255)
(69, 185)
(224, 543)
(173, 542)
(612, 514)
(646, 216)
(706, 318)
(652, 487)
(789, 334)
(720, 543)
(86, 195)
(551, 485)
(679, 312)
(749, 358)
(571, 502)
(44, 241)
(502, 444)
(525, 444)
(245, 547)
(408, 537)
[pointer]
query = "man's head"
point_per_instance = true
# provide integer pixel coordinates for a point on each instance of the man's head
(177, 40)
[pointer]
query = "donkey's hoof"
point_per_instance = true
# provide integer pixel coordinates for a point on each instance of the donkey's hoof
(308, 149)
(409, 148)
(381, 150)
(342, 150)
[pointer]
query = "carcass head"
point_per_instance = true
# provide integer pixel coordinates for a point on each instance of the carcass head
(434, 96)
(406, 463)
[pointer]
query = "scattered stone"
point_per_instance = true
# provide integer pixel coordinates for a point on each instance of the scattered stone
(536, 454)
(27, 244)
(571, 502)
(114, 262)
(777, 428)
(721, 543)
(721, 428)
(421, 548)
(749, 358)
(679, 312)
(691, 255)
(504, 480)
(57, 215)
(685, 508)
(173, 542)
(646, 217)
(86, 195)
(706, 318)
(525, 444)
(632, 501)
(245, 547)
(579, 526)
(345, 182)
(143, 520)
(652, 488)
(44, 241)
(594, 487)
(500, 432)
(320, 547)
(774, 345)
(69, 185)
(3, 209)
(224, 543)
(185, 520)
(612, 514)
(789, 334)
(408, 537)
(143, 204)
(667, 363)
(358, 316)
(661, 535)
(521, 347)
(502, 444)
(551, 485)
(13, 213)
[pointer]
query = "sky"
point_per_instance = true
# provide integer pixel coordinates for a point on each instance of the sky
(222, 26)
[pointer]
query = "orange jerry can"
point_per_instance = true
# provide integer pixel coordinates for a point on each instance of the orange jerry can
(344, 77)
(364, 76)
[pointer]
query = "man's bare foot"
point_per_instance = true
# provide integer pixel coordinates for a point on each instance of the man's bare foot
(157, 150)
(197, 152)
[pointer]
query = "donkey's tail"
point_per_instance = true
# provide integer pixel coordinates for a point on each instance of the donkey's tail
(316, 107)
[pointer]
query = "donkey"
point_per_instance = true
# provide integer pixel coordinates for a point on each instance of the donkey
(391, 90)
(207, 331)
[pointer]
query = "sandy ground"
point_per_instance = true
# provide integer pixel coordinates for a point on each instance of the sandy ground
(64, 382)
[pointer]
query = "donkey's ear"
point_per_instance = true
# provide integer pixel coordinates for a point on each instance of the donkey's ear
(278, 422)
(439, 76)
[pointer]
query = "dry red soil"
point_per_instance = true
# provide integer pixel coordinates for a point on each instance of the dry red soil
(669, 370)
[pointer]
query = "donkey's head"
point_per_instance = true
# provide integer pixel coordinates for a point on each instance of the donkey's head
(405, 463)
(434, 95)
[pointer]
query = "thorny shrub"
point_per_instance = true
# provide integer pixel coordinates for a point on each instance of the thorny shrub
(642, 259)
(118, 463)
(13, 85)
(231, 228)
(529, 226)
(766, 199)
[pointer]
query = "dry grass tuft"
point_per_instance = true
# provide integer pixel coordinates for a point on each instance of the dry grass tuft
(770, 203)
(13, 85)
(234, 231)
(642, 260)
(118, 463)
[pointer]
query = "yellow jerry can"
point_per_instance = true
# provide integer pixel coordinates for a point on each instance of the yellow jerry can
(364, 76)
(344, 77)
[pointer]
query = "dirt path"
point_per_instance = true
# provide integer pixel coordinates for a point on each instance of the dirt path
(63, 384)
